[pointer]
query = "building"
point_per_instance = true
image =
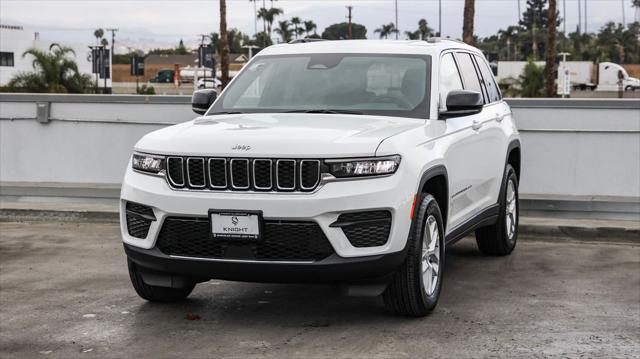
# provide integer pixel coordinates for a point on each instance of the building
(15, 40)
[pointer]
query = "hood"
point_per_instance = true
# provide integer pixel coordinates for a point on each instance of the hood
(277, 135)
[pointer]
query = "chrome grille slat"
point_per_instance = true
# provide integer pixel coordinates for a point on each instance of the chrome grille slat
(243, 174)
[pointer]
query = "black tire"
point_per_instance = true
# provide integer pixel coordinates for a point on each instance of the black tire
(406, 294)
(496, 239)
(154, 293)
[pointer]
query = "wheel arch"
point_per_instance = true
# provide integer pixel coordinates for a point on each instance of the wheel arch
(435, 181)
(514, 157)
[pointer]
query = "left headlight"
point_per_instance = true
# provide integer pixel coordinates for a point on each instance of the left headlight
(361, 167)
(147, 163)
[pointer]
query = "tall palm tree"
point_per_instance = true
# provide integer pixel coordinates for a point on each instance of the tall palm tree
(255, 17)
(224, 51)
(424, 29)
(98, 33)
(386, 30)
(467, 22)
(269, 16)
(54, 72)
(549, 88)
(311, 26)
(284, 30)
(296, 21)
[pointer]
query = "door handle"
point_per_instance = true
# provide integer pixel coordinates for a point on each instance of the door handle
(499, 117)
(476, 125)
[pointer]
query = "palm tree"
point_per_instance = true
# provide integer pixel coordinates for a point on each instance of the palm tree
(422, 33)
(54, 72)
(551, 51)
(296, 21)
(284, 30)
(269, 16)
(104, 42)
(224, 53)
(386, 30)
(467, 22)
(311, 26)
(98, 33)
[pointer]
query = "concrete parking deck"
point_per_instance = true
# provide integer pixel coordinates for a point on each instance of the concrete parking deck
(65, 292)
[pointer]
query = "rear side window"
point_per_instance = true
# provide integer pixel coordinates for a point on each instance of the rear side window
(449, 78)
(489, 82)
(469, 74)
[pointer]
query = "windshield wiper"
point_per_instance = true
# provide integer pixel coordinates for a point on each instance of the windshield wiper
(348, 112)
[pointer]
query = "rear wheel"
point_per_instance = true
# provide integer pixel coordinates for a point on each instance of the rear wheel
(155, 293)
(500, 238)
(415, 287)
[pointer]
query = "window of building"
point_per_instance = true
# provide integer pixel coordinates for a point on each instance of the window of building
(6, 59)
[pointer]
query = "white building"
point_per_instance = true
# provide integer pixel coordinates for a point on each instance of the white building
(15, 40)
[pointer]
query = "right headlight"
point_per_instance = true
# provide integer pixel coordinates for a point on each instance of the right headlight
(362, 167)
(147, 163)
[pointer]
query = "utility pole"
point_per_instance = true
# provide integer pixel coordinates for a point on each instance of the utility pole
(579, 17)
(519, 12)
(113, 38)
(440, 18)
(586, 29)
(624, 18)
(397, 31)
(350, 30)
(564, 15)
(255, 18)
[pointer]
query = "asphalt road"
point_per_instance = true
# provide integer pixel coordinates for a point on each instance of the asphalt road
(65, 292)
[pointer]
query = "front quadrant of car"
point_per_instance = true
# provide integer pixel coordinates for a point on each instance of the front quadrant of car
(327, 162)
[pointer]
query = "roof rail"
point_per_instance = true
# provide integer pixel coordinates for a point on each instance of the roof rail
(304, 41)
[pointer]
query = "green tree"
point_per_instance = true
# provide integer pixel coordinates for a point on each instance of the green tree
(310, 26)
(386, 30)
(284, 30)
(54, 72)
(297, 28)
(181, 49)
(532, 80)
(269, 16)
(98, 34)
(340, 31)
(423, 31)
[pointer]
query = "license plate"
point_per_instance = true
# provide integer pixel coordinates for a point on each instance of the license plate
(235, 225)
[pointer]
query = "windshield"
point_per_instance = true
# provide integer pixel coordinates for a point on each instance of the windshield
(377, 84)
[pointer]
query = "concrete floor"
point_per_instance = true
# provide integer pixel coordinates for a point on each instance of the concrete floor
(65, 292)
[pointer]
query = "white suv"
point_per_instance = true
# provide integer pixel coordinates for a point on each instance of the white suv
(347, 162)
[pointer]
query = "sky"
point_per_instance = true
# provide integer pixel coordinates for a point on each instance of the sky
(146, 24)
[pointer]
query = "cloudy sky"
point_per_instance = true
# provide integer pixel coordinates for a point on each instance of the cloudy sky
(152, 23)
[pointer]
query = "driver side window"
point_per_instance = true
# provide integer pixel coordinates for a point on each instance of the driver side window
(449, 78)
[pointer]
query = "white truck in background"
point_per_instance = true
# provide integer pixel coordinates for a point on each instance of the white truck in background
(583, 75)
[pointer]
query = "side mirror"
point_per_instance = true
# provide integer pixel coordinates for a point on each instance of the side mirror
(202, 100)
(462, 103)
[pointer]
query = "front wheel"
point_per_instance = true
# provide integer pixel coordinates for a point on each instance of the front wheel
(500, 238)
(415, 287)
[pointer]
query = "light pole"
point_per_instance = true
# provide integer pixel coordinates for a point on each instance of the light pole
(439, 18)
(397, 20)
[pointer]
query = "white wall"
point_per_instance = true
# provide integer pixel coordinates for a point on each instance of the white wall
(572, 150)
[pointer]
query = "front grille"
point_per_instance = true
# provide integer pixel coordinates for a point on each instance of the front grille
(139, 218)
(243, 174)
(365, 229)
(281, 241)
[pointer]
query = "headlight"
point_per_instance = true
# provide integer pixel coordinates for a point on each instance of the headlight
(147, 163)
(361, 167)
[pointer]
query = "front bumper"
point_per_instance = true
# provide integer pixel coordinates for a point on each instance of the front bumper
(333, 269)
(393, 193)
